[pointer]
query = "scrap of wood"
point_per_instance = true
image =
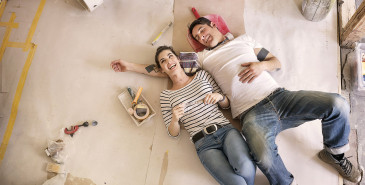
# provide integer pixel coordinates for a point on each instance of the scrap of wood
(71, 180)
(55, 168)
(164, 166)
(347, 9)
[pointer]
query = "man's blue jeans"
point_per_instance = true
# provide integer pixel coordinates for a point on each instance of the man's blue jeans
(226, 156)
(285, 109)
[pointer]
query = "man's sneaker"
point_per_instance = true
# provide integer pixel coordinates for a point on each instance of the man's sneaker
(294, 182)
(344, 166)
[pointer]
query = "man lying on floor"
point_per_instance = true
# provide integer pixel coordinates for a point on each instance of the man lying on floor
(263, 107)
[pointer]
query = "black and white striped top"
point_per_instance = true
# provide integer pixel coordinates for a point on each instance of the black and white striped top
(197, 115)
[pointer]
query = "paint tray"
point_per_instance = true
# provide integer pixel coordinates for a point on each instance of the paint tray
(126, 101)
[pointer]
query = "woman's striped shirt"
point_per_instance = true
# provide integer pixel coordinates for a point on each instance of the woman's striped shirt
(197, 115)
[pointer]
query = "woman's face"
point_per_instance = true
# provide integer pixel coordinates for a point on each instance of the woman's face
(169, 62)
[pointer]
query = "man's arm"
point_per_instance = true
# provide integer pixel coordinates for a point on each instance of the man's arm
(268, 62)
(148, 69)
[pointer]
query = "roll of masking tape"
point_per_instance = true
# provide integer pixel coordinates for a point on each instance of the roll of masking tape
(141, 111)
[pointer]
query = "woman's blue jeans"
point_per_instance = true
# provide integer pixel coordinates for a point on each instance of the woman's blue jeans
(285, 109)
(226, 156)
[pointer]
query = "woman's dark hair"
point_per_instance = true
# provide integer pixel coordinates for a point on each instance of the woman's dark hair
(200, 20)
(159, 50)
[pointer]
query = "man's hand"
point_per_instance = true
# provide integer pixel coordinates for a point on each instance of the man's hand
(252, 71)
(119, 65)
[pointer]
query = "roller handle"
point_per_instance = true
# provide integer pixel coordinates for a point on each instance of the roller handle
(137, 96)
(196, 14)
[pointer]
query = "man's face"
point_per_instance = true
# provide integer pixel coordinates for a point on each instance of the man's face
(207, 35)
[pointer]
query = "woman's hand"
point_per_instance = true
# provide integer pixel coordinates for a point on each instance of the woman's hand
(119, 65)
(178, 112)
(213, 98)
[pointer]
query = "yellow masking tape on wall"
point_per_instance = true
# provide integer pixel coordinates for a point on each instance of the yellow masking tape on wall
(16, 44)
(26, 46)
(2, 7)
(34, 25)
(6, 37)
(14, 107)
(8, 24)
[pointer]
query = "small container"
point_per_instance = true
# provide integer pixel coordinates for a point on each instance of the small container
(126, 101)
(91, 5)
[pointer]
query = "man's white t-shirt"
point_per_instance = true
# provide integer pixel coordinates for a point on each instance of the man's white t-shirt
(224, 64)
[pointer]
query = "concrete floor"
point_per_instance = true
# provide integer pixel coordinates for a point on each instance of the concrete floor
(69, 81)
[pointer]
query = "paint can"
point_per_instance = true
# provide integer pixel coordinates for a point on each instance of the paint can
(316, 10)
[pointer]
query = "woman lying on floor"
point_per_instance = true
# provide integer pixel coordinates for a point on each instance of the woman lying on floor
(192, 101)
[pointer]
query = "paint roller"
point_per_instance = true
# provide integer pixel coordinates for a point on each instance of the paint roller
(136, 97)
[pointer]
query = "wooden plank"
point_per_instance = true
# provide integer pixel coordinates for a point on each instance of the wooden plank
(348, 8)
(355, 28)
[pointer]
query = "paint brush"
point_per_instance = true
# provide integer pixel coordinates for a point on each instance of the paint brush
(131, 93)
(159, 35)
